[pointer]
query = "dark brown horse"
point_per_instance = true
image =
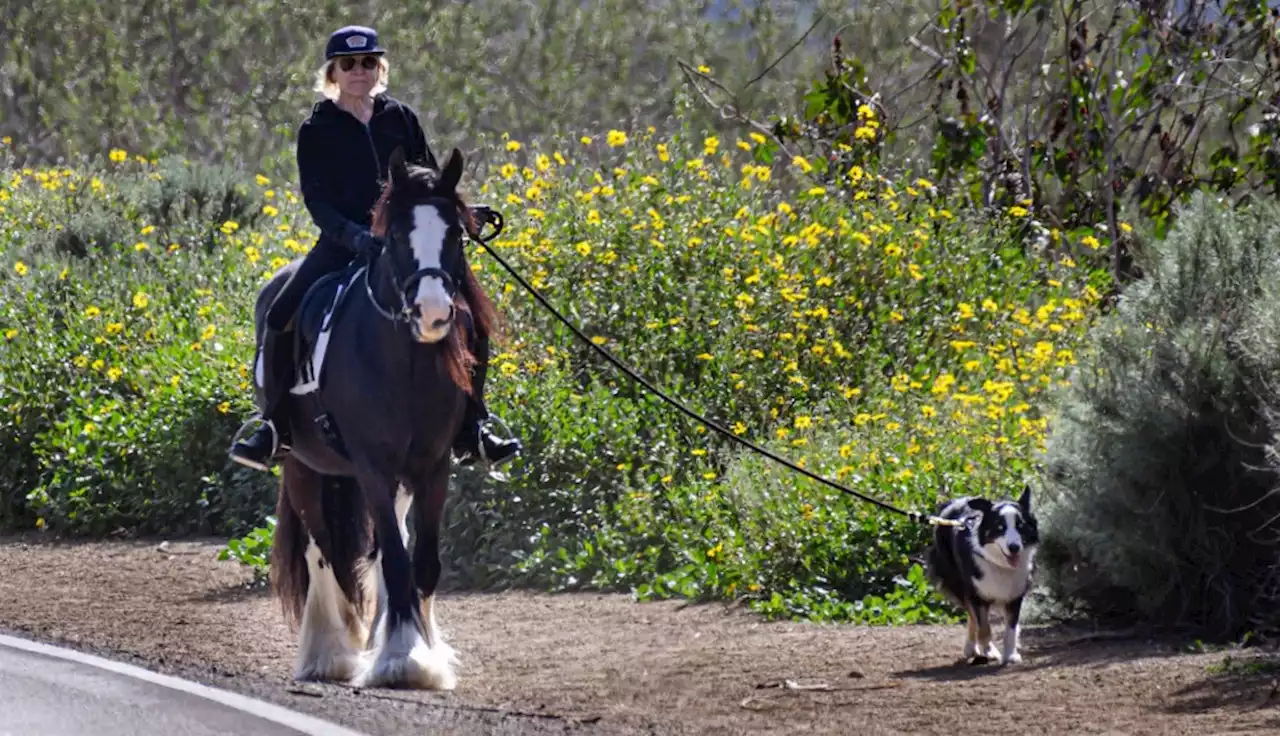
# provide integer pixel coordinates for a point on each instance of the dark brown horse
(388, 370)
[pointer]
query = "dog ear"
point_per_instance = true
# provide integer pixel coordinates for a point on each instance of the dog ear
(980, 504)
(978, 508)
(1024, 501)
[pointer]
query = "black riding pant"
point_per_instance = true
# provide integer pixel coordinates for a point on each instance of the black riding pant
(325, 257)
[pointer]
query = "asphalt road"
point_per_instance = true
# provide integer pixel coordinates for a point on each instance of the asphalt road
(50, 691)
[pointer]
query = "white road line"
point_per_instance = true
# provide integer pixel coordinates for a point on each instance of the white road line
(261, 709)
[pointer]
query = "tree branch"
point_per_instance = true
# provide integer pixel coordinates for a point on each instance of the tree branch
(821, 17)
(728, 110)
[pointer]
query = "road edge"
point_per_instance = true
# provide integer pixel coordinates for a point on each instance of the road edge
(300, 722)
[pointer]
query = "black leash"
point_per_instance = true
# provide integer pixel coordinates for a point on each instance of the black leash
(487, 215)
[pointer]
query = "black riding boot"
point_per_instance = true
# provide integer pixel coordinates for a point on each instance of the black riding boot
(475, 441)
(260, 448)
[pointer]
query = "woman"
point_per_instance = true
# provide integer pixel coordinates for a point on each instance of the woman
(343, 150)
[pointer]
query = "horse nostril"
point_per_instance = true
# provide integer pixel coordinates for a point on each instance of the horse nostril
(443, 321)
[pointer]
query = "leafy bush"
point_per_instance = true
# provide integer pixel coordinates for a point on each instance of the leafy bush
(124, 360)
(879, 338)
(1161, 469)
(253, 550)
(882, 337)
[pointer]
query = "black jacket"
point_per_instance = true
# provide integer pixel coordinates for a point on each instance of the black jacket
(342, 165)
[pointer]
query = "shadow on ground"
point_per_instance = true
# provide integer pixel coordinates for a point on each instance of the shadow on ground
(232, 594)
(1057, 646)
(1243, 681)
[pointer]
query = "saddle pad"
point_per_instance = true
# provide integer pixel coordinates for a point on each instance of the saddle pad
(316, 318)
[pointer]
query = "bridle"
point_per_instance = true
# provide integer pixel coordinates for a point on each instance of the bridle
(405, 310)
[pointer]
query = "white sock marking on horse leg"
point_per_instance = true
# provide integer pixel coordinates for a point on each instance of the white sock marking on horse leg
(326, 650)
(404, 501)
(378, 635)
(407, 661)
(403, 656)
(368, 582)
(435, 637)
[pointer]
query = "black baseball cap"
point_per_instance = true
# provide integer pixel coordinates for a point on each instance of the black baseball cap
(353, 40)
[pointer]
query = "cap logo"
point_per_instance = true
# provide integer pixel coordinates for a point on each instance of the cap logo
(357, 42)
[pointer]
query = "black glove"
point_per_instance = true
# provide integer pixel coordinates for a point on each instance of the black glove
(483, 212)
(363, 244)
(486, 215)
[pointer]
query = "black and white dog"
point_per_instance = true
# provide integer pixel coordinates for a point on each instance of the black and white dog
(986, 563)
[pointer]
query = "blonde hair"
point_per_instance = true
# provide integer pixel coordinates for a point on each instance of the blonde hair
(328, 86)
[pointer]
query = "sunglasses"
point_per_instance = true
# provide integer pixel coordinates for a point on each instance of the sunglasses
(347, 63)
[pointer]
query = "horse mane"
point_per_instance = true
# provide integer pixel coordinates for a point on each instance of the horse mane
(470, 298)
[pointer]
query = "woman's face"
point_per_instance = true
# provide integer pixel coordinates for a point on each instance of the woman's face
(356, 75)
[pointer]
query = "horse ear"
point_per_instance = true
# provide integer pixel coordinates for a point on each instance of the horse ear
(399, 171)
(452, 173)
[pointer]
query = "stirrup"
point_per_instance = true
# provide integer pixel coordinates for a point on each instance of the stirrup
(491, 419)
(507, 435)
(276, 444)
(256, 419)
(471, 459)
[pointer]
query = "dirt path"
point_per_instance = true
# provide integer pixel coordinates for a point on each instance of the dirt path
(535, 664)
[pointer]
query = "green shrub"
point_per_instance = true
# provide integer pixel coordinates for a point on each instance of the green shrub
(881, 339)
(124, 360)
(1161, 470)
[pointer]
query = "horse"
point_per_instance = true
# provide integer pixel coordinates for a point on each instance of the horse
(373, 416)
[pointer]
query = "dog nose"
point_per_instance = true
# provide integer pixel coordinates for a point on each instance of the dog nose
(1015, 548)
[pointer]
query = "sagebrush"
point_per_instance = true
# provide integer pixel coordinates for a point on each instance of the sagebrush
(1161, 470)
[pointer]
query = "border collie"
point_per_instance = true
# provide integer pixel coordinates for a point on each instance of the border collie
(986, 563)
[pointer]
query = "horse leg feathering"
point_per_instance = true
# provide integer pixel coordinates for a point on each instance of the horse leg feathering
(401, 655)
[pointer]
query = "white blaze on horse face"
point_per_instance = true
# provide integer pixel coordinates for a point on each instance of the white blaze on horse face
(433, 301)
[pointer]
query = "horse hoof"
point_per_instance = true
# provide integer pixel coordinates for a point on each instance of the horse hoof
(339, 668)
(407, 661)
(422, 668)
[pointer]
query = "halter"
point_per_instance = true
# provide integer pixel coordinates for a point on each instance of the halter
(404, 311)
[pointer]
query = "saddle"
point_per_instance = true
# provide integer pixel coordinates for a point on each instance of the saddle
(317, 313)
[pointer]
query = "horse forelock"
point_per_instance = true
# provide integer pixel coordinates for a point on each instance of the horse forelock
(422, 184)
